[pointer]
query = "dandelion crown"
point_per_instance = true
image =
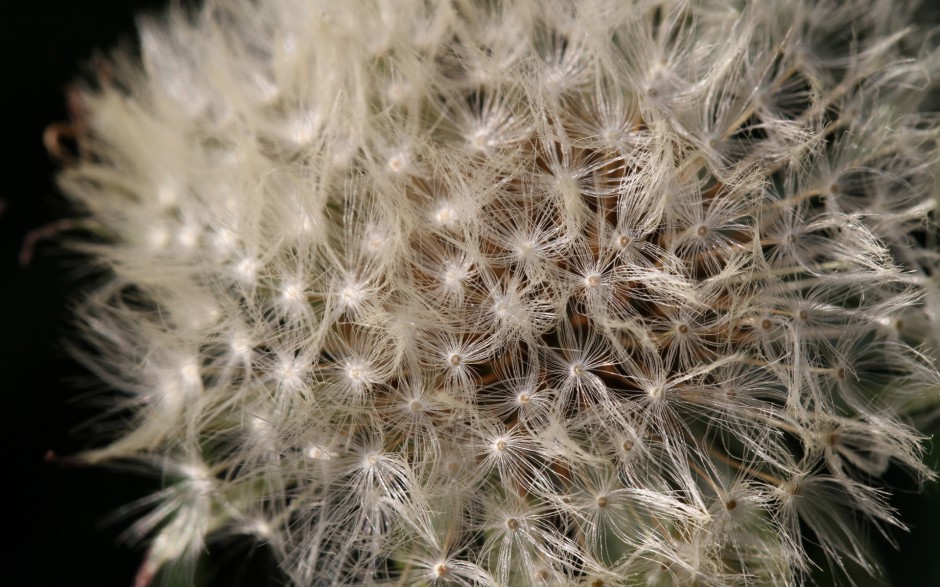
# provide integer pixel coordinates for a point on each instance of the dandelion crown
(474, 292)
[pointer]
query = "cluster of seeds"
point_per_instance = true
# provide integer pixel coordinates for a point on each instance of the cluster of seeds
(517, 293)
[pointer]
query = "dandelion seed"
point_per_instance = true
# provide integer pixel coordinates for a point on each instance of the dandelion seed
(446, 216)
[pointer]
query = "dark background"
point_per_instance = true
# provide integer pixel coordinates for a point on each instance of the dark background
(59, 531)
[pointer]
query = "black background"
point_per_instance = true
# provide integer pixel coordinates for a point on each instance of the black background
(58, 532)
(55, 517)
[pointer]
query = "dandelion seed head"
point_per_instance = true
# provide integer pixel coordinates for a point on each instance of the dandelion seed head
(538, 292)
